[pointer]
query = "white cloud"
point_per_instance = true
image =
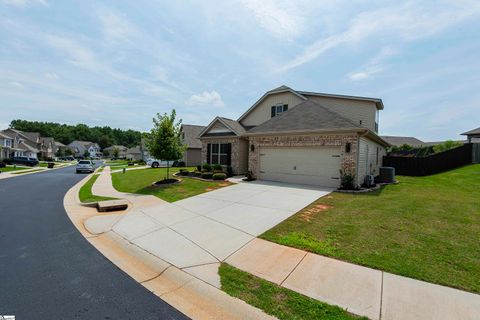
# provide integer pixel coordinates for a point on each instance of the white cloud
(408, 21)
(16, 84)
(52, 76)
(79, 55)
(282, 20)
(24, 3)
(212, 98)
(374, 66)
(117, 28)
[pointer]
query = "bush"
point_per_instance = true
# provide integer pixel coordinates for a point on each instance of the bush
(219, 176)
(207, 167)
(447, 145)
(207, 175)
(218, 171)
(229, 171)
(181, 164)
(199, 168)
(183, 172)
(217, 167)
(347, 180)
(198, 173)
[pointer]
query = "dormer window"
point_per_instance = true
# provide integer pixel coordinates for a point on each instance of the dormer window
(279, 108)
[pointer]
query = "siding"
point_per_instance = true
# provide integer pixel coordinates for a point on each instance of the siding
(354, 110)
(262, 112)
(192, 157)
(367, 158)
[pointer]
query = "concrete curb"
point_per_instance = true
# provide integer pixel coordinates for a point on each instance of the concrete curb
(190, 295)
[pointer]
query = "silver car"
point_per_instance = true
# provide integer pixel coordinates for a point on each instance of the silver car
(85, 166)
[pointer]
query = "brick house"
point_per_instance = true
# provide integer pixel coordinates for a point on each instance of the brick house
(299, 137)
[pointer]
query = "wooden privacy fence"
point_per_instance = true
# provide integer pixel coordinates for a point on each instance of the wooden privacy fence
(435, 163)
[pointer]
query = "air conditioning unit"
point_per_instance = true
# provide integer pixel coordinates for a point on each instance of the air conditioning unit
(369, 181)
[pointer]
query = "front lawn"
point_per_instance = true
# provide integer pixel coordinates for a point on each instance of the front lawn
(275, 300)
(426, 228)
(85, 193)
(12, 168)
(140, 181)
(30, 171)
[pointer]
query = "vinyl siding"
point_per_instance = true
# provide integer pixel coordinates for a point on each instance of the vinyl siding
(262, 111)
(367, 158)
(218, 127)
(364, 111)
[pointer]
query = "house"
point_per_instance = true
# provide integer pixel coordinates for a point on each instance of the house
(47, 147)
(144, 150)
(299, 137)
(110, 151)
(134, 153)
(18, 143)
(79, 148)
(6, 145)
(189, 135)
(400, 141)
(472, 135)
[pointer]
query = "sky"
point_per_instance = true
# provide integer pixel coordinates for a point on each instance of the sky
(118, 63)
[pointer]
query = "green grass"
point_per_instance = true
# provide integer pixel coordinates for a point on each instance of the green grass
(85, 193)
(117, 162)
(275, 300)
(140, 181)
(11, 168)
(22, 172)
(426, 228)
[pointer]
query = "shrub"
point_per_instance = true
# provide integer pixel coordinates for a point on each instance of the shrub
(181, 163)
(229, 171)
(183, 172)
(198, 173)
(207, 166)
(347, 180)
(218, 171)
(219, 176)
(207, 175)
(447, 145)
(199, 168)
(217, 167)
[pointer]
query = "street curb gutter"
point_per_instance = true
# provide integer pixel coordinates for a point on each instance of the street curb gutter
(188, 294)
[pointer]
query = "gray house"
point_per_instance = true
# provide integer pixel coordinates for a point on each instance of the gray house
(190, 137)
(79, 147)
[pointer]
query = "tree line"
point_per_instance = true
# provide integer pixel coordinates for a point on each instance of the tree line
(64, 133)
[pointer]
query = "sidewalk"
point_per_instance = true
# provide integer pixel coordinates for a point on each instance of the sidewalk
(360, 290)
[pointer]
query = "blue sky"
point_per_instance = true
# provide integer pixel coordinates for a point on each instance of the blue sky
(117, 63)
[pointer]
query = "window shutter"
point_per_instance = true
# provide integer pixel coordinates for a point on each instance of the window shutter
(209, 148)
(273, 111)
(229, 154)
(285, 107)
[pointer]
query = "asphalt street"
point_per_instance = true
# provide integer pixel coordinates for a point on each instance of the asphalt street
(49, 271)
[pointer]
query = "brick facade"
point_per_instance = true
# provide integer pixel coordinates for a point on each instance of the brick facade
(238, 157)
(348, 160)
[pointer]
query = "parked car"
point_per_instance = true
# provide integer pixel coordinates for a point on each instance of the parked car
(155, 163)
(23, 161)
(85, 166)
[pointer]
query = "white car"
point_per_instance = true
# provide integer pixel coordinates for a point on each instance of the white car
(154, 163)
(85, 166)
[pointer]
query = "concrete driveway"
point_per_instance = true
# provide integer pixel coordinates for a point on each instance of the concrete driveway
(208, 228)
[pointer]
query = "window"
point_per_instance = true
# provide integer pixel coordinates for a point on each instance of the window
(220, 153)
(8, 143)
(276, 110)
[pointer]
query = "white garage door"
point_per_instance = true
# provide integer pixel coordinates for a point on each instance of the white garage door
(319, 166)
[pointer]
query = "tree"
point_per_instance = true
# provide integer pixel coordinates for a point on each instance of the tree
(116, 152)
(86, 154)
(164, 142)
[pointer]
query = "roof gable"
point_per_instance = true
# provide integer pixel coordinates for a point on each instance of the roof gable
(280, 89)
(472, 132)
(232, 127)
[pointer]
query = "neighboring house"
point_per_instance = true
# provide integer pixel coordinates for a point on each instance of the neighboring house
(6, 145)
(47, 147)
(299, 137)
(144, 150)
(22, 144)
(79, 147)
(59, 146)
(134, 153)
(400, 141)
(473, 135)
(121, 151)
(189, 136)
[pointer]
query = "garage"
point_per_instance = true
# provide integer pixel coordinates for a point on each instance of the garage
(318, 166)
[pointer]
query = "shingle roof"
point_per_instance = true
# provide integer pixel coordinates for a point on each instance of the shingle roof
(134, 150)
(399, 141)
(59, 144)
(33, 136)
(191, 134)
(306, 116)
(472, 132)
(119, 147)
(234, 125)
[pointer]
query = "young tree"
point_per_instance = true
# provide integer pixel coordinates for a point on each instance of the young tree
(116, 152)
(86, 154)
(164, 142)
